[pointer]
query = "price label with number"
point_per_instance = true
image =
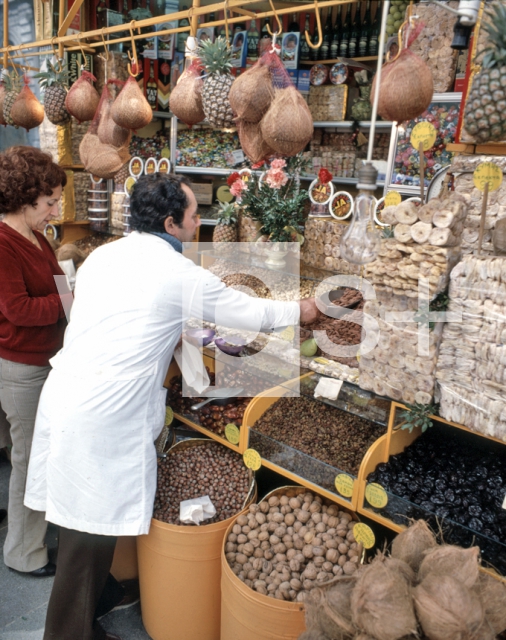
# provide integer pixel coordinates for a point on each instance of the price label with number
(232, 433)
(169, 416)
(425, 133)
(364, 535)
(344, 485)
(252, 459)
(488, 172)
(392, 199)
(376, 496)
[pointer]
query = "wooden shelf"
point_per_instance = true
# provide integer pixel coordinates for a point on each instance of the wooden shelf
(336, 60)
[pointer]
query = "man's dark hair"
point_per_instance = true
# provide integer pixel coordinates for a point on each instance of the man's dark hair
(155, 197)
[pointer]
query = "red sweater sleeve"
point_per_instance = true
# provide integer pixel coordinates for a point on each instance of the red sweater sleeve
(16, 304)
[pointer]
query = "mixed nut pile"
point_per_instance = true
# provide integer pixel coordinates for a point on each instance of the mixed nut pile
(323, 432)
(285, 546)
(205, 469)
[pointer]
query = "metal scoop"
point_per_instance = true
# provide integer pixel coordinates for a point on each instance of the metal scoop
(220, 396)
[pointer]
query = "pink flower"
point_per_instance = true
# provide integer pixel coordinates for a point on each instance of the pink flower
(276, 178)
(278, 163)
(237, 188)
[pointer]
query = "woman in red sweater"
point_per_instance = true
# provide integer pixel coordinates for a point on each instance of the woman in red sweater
(32, 323)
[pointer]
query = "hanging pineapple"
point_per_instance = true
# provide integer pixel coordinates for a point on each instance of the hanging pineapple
(53, 82)
(486, 105)
(216, 57)
(226, 228)
(12, 90)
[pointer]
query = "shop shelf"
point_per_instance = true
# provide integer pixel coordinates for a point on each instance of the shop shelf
(347, 125)
(335, 60)
(210, 171)
(398, 512)
(337, 180)
(209, 222)
(289, 462)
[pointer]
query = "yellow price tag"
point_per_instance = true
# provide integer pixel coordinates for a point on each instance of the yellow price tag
(252, 459)
(392, 199)
(424, 132)
(232, 433)
(376, 496)
(487, 172)
(364, 535)
(344, 485)
(321, 360)
(165, 152)
(169, 416)
(287, 334)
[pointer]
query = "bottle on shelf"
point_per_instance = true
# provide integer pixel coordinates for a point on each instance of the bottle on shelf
(152, 87)
(334, 43)
(315, 53)
(375, 31)
(239, 27)
(212, 18)
(182, 37)
(265, 38)
(294, 26)
(223, 33)
(354, 33)
(327, 37)
(345, 34)
(305, 49)
(253, 37)
(365, 31)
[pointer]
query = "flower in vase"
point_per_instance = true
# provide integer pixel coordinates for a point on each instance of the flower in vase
(278, 163)
(233, 177)
(276, 178)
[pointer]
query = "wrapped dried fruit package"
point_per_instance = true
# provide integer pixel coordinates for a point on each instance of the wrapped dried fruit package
(82, 99)
(131, 110)
(108, 131)
(27, 111)
(186, 98)
(407, 85)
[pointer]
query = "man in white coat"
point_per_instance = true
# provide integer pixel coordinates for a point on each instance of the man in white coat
(93, 462)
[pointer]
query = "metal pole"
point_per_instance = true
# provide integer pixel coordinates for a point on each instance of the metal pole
(386, 7)
(6, 32)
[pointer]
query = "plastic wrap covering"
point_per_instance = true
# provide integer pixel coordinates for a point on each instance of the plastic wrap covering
(471, 369)
(463, 168)
(401, 366)
(321, 248)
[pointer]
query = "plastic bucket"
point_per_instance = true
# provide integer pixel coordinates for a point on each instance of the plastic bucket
(179, 575)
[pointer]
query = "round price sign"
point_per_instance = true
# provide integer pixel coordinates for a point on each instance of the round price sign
(344, 485)
(320, 193)
(392, 199)
(169, 416)
(376, 496)
(488, 172)
(136, 167)
(164, 165)
(129, 185)
(232, 433)
(341, 205)
(151, 166)
(425, 133)
(364, 535)
(252, 459)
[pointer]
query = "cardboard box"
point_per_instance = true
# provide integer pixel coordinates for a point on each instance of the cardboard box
(290, 50)
(240, 49)
(203, 192)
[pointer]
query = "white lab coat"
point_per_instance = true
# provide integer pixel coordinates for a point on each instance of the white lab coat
(93, 462)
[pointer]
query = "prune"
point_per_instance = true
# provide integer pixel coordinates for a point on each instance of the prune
(474, 510)
(481, 472)
(475, 524)
(437, 498)
(481, 486)
(428, 506)
(413, 486)
(494, 481)
(382, 467)
(449, 495)
(442, 512)
(440, 485)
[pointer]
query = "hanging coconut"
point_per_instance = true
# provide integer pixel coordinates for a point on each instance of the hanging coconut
(252, 93)
(407, 85)
(3, 91)
(108, 131)
(287, 127)
(252, 142)
(131, 110)
(82, 99)
(102, 160)
(186, 98)
(27, 111)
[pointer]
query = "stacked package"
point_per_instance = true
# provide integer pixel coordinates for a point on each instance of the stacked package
(471, 369)
(426, 243)
(463, 168)
(402, 365)
(321, 248)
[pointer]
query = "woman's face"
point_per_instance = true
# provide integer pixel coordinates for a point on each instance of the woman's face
(44, 211)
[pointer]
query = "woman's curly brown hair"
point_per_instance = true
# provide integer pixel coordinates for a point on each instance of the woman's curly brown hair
(25, 174)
